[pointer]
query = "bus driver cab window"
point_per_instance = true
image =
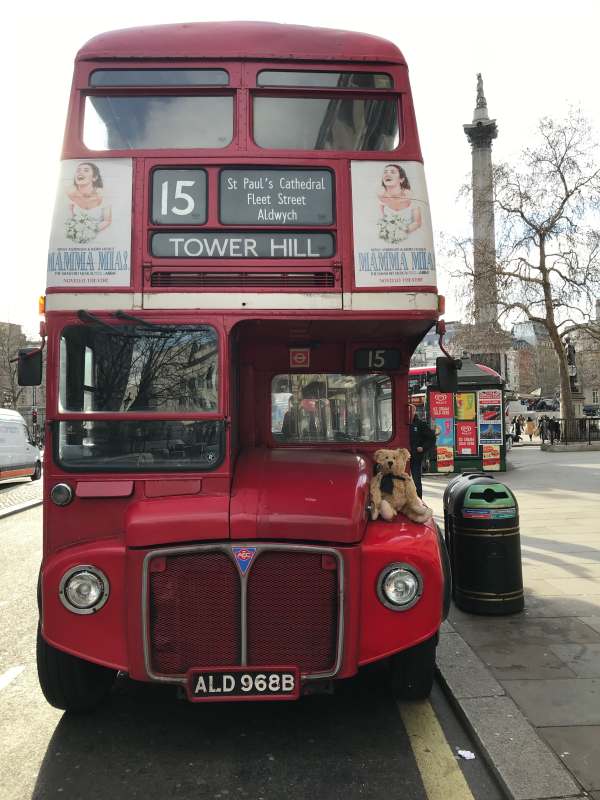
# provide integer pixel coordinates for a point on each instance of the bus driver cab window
(331, 408)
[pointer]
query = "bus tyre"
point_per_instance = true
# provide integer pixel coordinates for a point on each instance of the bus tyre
(70, 683)
(37, 474)
(412, 671)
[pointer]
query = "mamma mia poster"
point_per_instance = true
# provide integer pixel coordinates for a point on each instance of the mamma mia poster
(393, 239)
(90, 240)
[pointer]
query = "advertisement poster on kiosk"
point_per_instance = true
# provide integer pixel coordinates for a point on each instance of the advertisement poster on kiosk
(466, 438)
(491, 457)
(393, 238)
(440, 405)
(489, 416)
(466, 406)
(441, 411)
(90, 239)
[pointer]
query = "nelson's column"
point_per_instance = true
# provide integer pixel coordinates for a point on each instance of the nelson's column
(485, 340)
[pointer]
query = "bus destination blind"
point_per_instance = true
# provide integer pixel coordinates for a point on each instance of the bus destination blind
(276, 197)
(242, 244)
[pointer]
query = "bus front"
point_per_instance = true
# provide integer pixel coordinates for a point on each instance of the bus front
(240, 268)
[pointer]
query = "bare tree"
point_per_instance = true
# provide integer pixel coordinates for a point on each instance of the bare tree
(11, 339)
(548, 249)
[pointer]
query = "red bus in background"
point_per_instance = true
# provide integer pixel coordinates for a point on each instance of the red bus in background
(419, 378)
(240, 267)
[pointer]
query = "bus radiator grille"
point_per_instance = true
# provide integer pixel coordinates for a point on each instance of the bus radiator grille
(195, 611)
(292, 611)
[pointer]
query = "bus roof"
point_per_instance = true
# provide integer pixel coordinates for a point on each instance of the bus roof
(235, 40)
(430, 368)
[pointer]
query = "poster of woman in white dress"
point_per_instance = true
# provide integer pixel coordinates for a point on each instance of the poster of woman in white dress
(393, 239)
(89, 212)
(90, 240)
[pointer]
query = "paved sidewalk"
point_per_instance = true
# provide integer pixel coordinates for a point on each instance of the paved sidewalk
(22, 492)
(538, 672)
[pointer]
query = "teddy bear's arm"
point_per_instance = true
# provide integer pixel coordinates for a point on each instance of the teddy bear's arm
(376, 489)
(414, 507)
(376, 496)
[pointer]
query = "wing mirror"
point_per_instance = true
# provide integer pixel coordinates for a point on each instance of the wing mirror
(29, 366)
(446, 371)
(446, 367)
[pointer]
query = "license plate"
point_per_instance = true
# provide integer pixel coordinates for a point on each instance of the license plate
(243, 683)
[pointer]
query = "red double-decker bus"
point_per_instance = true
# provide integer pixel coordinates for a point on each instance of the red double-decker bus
(240, 267)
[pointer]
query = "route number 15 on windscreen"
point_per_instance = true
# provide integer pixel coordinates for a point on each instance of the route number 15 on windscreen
(380, 359)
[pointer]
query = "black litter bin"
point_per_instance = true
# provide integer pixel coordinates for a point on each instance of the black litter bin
(449, 492)
(481, 519)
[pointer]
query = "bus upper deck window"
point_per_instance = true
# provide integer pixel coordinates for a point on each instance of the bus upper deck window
(326, 123)
(340, 80)
(159, 77)
(157, 122)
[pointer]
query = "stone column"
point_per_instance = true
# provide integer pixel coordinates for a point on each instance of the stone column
(480, 134)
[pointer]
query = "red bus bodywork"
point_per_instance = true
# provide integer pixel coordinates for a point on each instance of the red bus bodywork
(312, 593)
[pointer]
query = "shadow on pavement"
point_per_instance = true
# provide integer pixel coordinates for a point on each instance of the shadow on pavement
(147, 743)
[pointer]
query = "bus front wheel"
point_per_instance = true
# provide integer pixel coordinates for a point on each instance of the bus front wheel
(70, 683)
(413, 670)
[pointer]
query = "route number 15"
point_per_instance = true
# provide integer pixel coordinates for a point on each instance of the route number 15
(381, 359)
(376, 358)
(179, 196)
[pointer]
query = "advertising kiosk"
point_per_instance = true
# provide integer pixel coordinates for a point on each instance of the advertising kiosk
(469, 424)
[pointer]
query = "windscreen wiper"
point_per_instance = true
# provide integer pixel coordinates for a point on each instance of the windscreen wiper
(138, 320)
(91, 319)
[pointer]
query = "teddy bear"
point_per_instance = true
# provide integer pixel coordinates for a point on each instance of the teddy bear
(393, 490)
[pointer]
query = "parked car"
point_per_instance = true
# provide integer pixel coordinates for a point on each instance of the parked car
(19, 455)
(592, 410)
(547, 404)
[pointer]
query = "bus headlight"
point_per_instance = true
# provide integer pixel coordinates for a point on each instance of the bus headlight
(399, 586)
(61, 494)
(84, 589)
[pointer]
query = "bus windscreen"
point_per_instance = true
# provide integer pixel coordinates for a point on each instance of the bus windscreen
(128, 368)
(139, 445)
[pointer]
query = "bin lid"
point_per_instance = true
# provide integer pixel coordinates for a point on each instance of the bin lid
(451, 486)
(456, 489)
(490, 500)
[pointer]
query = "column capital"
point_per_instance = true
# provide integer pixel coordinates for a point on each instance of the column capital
(480, 134)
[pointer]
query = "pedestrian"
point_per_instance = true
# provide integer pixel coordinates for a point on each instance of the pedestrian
(530, 428)
(554, 430)
(517, 427)
(290, 428)
(422, 439)
(543, 428)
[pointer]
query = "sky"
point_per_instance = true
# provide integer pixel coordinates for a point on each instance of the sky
(537, 58)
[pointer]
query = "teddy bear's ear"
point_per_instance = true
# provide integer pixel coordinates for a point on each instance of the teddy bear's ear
(376, 455)
(403, 453)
